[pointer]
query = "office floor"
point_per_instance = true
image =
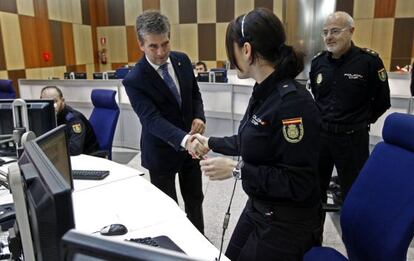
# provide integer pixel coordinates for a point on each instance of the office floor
(216, 199)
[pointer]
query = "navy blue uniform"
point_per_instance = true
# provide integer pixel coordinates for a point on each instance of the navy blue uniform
(82, 138)
(351, 92)
(278, 139)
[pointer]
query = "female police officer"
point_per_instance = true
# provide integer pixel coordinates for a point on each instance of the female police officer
(278, 141)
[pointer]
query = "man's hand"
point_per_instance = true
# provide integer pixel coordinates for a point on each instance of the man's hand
(197, 126)
(197, 146)
(218, 168)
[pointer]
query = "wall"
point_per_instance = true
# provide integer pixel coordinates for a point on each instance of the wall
(385, 26)
(70, 31)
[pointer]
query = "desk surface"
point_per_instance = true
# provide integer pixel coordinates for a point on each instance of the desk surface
(127, 198)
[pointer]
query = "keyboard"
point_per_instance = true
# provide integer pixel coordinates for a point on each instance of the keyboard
(89, 174)
(160, 241)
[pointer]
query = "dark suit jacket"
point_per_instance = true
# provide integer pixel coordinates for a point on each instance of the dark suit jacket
(164, 123)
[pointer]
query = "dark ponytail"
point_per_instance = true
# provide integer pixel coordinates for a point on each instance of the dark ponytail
(289, 62)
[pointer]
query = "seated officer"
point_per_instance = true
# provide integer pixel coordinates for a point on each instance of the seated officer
(82, 139)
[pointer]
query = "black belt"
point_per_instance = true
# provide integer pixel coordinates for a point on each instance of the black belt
(342, 128)
(288, 213)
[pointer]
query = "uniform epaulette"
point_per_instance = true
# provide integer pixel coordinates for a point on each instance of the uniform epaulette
(287, 88)
(370, 52)
(318, 54)
(69, 116)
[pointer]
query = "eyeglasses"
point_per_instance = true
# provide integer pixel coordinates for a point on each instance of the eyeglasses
(333, 31)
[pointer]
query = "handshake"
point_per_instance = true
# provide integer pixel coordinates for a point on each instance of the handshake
(197, 146)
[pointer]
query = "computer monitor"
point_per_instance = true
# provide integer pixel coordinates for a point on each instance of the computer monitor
(43, 203)
(220, 74)
(41, 113)
(76, 75)
(78, 246)
(203, 77)
(41, 118)
(99, 75)
(54, 145)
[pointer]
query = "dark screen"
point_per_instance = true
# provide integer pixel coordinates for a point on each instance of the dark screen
(55, 145)
(41, 114)
(49, 202)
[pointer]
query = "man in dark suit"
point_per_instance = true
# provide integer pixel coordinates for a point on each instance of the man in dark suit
(164, 93)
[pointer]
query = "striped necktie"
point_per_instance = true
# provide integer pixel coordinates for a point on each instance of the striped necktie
(170, 82)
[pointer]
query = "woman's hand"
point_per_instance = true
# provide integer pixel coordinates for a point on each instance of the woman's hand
(218, 168)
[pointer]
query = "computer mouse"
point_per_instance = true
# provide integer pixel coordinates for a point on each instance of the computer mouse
(114, 230)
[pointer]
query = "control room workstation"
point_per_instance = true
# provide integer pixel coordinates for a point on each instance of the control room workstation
(109, 212)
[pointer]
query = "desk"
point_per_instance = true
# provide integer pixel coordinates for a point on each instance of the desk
(127, 198)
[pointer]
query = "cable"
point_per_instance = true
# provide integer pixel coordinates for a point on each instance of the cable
(226, 220)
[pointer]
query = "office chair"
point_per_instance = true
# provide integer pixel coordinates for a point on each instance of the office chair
(377, 218)
(104, 118)
(6, 90)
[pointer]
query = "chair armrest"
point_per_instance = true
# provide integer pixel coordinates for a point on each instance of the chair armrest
(322, 254)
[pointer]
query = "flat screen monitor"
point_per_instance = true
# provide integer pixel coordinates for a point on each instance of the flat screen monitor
(78, 246)
(45, 204)
(76, 75)
(41, 114)
(203, 77)
(99, 75)
(54, 145)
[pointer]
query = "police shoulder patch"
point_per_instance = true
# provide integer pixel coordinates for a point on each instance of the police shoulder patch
(370, 52)
(77, 128)
(382, 74)
(293, 129)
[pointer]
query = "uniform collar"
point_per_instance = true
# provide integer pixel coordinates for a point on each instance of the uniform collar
(352, 50)
(262, 90)
(62, 115)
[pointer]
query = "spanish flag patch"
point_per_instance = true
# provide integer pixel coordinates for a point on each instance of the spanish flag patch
(293, 129)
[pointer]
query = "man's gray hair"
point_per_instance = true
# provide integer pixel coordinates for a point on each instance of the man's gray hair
(344, 16)
(151, 22)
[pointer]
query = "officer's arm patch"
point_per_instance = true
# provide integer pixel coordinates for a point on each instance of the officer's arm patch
(382, 74)
(370, 52)
(293, 129)
(77, 128)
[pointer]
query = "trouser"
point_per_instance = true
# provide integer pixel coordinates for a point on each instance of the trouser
(347, 152)
(191, 189)
(285, 234)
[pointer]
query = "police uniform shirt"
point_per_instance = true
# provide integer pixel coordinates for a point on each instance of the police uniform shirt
(82, 138)
(278, 139)
(352, 89)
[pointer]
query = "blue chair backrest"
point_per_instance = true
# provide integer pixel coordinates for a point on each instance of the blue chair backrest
(377, 217)
(6, 90)
(104, 117)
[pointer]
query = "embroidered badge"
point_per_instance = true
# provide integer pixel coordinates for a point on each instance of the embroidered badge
(382, 74)
(293, 129)
(77, 128)
(319, 79)
(256, 121)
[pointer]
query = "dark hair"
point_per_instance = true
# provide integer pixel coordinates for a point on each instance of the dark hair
(151, 22)
(266, 34)
(52, 87)
(203, 64)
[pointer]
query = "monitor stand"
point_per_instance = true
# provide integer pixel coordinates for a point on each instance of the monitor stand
(22, 217)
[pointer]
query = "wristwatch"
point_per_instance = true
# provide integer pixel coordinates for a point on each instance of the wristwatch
(237, 173)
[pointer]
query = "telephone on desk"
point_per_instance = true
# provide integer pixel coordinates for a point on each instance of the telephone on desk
(7, 216)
